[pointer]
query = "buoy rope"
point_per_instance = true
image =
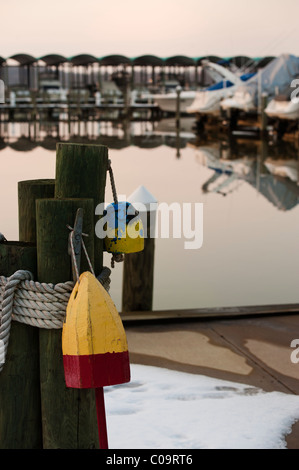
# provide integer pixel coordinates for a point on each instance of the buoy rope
(73, 252)
(112, 181)
(116, 257)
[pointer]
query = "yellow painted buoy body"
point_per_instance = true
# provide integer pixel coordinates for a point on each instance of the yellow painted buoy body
(94, 343)
(125, 233)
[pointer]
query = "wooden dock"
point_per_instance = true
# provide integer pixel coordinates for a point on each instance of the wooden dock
(158, 316)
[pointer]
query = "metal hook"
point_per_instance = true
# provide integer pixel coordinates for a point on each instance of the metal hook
(75, 243)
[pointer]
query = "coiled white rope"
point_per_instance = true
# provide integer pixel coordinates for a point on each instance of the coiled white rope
(37, 304)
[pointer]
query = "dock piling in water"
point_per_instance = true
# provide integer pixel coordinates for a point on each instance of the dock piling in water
(138, 270)
(20, 418)
(28, 192)
(81, 172)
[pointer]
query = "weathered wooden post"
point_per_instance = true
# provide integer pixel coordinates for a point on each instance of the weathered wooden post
(33, 378)
(81, 172)
(20, 417)
(138, 270)
(28, 192)
(68, 415)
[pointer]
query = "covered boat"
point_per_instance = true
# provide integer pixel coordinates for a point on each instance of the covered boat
(277, 75)
(208, 101)
(168, 101)
(285, 105)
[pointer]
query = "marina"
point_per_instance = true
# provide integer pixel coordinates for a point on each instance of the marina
(233, 301)
(149, 207)
(231, 94)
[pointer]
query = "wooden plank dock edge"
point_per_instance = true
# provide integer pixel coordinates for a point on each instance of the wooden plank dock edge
(209, 313)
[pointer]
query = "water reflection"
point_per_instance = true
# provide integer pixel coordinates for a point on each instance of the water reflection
(272, 171)
(271, 168)
(249, 189)
(25, 136)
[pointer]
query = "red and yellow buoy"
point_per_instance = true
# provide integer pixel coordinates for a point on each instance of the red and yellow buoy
(94, 344)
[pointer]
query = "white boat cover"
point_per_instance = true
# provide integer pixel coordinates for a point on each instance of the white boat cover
(278, 74)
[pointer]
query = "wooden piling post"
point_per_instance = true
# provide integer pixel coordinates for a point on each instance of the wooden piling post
(81, 172)
(28, 192)
(52, 218)
(138, 269)
(68, 415)
(138, 278)
(20, 416)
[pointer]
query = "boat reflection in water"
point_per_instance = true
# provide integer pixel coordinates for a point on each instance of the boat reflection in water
(271, 170)
(26, 136)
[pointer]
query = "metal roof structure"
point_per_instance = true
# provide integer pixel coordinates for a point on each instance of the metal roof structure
(24, 59)
(53, 59)
(179, 60)
(83, 59)
(145, 60)
(114, 59)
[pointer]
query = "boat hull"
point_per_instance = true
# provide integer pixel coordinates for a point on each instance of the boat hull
(168, 102)
(208, 102)
(287, 110)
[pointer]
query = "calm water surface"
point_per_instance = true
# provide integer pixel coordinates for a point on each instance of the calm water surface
(250, 196)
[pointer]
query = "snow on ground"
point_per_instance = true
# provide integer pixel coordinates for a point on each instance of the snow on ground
(165, 409)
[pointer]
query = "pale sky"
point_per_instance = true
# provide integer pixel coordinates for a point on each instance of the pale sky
(160, 27)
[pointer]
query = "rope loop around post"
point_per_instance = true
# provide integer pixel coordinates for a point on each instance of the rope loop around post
(7, 305)
(36, 304)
